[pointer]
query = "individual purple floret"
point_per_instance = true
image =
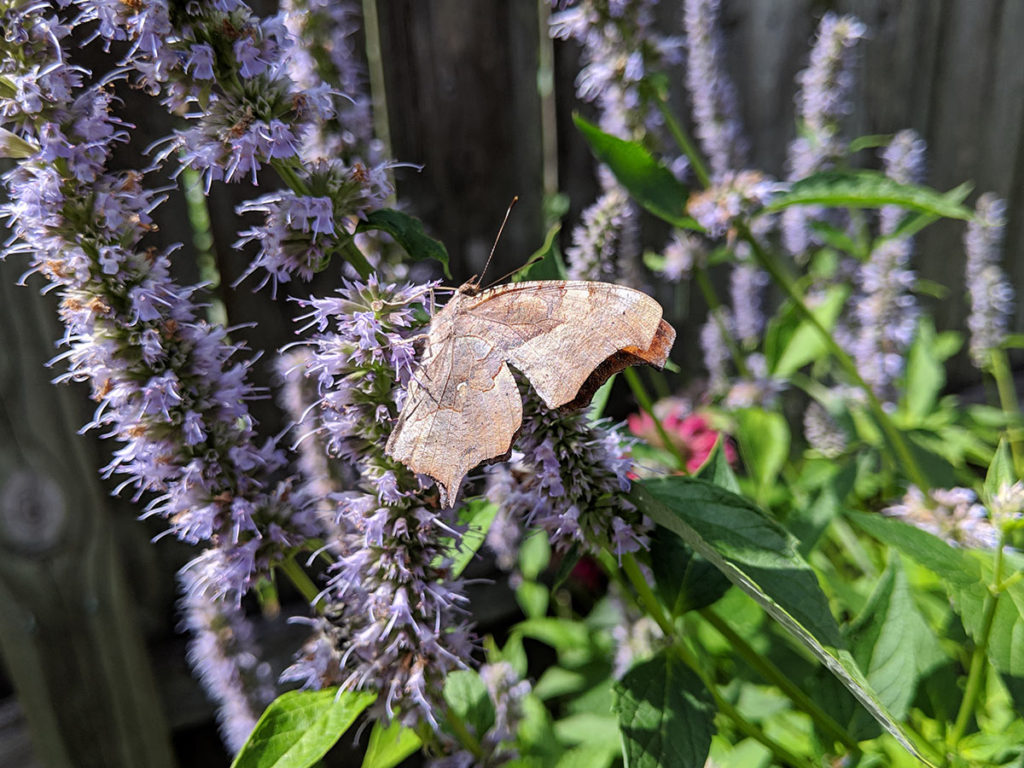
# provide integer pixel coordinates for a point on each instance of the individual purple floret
(715, 110)
(989, 292)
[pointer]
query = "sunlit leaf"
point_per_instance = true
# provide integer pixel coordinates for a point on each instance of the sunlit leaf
(300, 727)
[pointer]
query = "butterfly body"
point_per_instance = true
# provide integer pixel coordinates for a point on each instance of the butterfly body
(566, 337)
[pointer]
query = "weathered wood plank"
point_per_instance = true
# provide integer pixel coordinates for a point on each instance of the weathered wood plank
(68, 633)
(462, 100)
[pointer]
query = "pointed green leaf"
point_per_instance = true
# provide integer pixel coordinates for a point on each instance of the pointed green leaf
(892, 642)
(868, 189)
(965, 574)
(925, 375)
(764, 444)
(761, 558)
(389, 746)
(717, 470)
(796, 342)
(649, 182)
(300, 727)
(1000, 472)
(408, 233)
(477, 516)
(466, 694)
(666, 715)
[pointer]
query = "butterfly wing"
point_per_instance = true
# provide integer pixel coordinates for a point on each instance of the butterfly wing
(569, 337)
(462, 407)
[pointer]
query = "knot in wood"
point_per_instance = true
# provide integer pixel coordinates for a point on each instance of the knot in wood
(33, 514)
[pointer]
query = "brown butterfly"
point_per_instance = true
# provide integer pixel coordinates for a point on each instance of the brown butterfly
(566, 337)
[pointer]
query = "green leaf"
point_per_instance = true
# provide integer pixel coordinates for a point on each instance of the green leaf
(649, 182)
(717, 470)
(562, 635)
(300, 727)
(466, 694)
(546, 262)
(534, 553)
(666, 715)
(925, 375)
(565, 566)
(477, 515)
(532, 598)
(796, 342)
(389, 746)
(892, 642)
(408, 233)
(1000, 472)
(868, 189)
(965, 574)
(684, 580)
(760, 557)
(600, 398)
(764, 444)
(13, 147)
(810, 520)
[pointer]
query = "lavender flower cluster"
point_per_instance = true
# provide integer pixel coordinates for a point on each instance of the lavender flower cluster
(395, 615)
(567, 477)
(953, 514)
(169, 387)
(886, 311)
(989, 292)
(823, 101)
(621, 47)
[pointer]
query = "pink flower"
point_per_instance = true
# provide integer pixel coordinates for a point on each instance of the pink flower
(690, 432)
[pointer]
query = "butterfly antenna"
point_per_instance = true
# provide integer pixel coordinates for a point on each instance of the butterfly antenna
(496, 239)
(532, 260)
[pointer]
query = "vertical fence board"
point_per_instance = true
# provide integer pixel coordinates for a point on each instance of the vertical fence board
(68, 634)
(461, 84)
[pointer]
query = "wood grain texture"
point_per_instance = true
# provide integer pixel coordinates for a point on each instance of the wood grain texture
(566, 337)
(68, 632)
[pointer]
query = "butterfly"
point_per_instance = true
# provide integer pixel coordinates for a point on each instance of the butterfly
(463, 407)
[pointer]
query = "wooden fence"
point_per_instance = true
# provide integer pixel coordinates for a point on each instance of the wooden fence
(461, 85)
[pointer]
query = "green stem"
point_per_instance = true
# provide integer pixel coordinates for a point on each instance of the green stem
(784, 281)
(644, 400)
(714, 303)
(297, 576)
(356, 258)
(683, 140)
(647, 598)
(979, 657)
(462, 733)
(773, 674)
(1008, 400)
(290, 177)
